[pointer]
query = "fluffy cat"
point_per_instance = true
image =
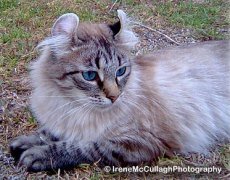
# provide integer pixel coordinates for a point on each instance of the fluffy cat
(96, 104)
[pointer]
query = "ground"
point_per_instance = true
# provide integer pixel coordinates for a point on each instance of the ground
(25, 23)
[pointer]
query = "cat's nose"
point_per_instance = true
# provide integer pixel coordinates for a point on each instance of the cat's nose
(112, 98)
(111, 90)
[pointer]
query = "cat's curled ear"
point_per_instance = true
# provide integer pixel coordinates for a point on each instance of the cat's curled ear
(63, 33)
(65, 24)
(122, 31)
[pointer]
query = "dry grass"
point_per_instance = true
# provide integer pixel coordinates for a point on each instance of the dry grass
(25, 23)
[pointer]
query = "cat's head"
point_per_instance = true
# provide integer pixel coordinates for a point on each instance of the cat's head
(89, 62)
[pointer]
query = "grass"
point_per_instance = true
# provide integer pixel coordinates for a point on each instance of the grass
(24, 23)
(225, 156)
(207, 18)
(6, 4)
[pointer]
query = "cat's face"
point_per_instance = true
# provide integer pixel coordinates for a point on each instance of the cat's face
(96, 71)
(88, 62)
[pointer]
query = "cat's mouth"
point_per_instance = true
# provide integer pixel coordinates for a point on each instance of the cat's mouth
(104, 102)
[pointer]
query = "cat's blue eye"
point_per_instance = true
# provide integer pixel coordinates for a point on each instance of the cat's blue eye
(121, 71)
(89, 75)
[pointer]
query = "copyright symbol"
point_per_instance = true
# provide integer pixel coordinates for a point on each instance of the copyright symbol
(107, 169)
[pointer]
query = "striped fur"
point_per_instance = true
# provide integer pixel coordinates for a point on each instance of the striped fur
(173, 100)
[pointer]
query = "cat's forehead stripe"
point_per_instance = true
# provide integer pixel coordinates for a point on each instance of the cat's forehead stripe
(97, 61)
(100, 54)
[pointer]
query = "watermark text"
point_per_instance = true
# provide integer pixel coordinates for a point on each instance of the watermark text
(164, 170)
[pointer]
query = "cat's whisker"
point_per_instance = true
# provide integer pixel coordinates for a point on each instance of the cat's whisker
(85, 111)
(77, 108)
(149, 99)
(137, 89)
(70, 112)
(135, 105)
(63, 106)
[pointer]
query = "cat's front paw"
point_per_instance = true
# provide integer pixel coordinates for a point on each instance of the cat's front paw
(36, 159)
(19, 145)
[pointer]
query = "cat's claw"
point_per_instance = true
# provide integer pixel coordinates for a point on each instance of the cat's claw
(35, 159)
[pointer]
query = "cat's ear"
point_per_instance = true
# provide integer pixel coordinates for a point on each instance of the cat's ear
(66, 24)
(115, 28)
(122, 31)
(63, 31)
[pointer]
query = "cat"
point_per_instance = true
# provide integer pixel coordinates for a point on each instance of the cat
(96, 103)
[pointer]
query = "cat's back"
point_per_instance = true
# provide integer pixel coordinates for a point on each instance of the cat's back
(203, 51)
(206, 60)
(200, 70)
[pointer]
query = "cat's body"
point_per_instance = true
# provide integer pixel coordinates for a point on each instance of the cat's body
(177, 99)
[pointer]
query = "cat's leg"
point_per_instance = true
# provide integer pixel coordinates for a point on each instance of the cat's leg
(24, 142)
(122, 152)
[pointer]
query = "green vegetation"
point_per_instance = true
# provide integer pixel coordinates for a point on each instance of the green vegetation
(207, 18)
(6, 4)
(225, 156)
